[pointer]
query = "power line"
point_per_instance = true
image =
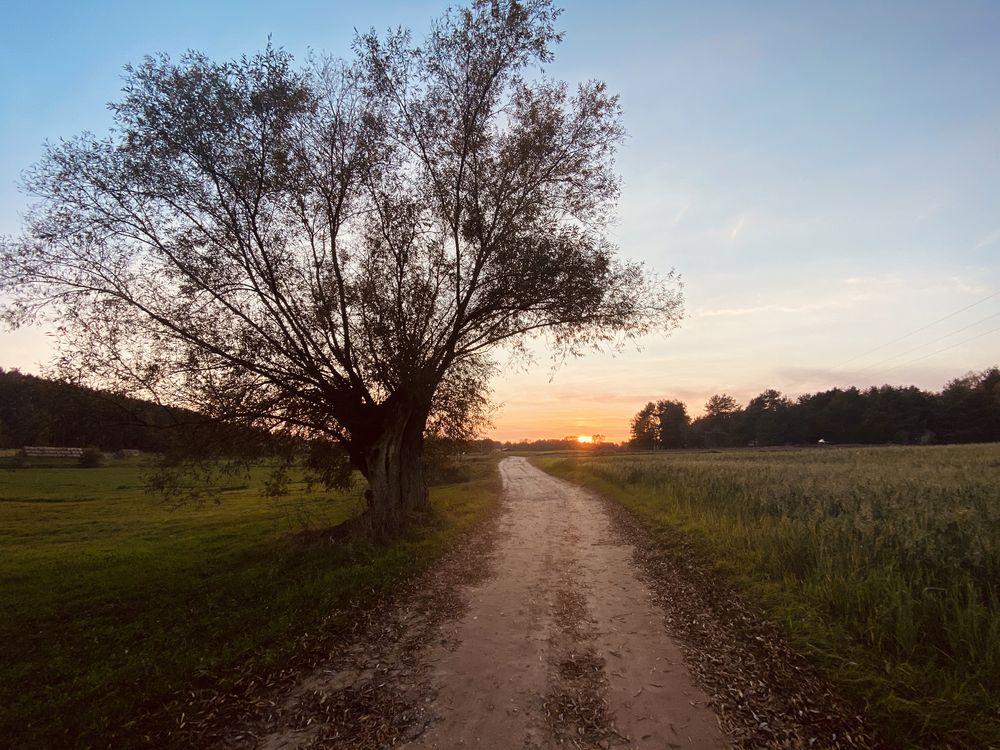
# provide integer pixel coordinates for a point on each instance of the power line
(918, 330)
(928, 343)
(944, 349)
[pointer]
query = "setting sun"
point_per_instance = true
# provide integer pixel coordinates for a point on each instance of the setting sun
(584, 438)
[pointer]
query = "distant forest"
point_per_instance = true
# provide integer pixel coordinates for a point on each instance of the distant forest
(38, 411)
(967, 410)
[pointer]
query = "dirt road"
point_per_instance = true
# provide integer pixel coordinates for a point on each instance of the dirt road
(563, 645)
(536, 633)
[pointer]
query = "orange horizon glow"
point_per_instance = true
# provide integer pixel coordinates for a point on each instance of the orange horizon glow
(585, 438)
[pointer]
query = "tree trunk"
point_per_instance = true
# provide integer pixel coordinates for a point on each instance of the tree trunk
(395, 473)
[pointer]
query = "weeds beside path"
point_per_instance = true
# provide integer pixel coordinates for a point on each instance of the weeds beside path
(878, 566)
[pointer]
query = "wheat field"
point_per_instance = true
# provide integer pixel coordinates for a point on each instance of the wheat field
(883, 563)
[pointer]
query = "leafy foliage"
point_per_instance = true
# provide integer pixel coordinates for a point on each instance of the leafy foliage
(966, 410)
(336, 250)
(664, 424)
(91, 458)
(39, 411)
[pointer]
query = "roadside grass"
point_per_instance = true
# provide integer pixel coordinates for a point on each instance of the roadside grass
(881, 564)
(114, 603)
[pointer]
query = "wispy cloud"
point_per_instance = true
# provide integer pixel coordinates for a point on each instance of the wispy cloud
(737, 228)
(988, 239)
(679, 216)
(772, 308)
(871, 293)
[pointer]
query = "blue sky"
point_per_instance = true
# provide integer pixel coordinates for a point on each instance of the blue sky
(826, 177)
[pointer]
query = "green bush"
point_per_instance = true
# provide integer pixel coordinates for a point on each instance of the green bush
(91, 458)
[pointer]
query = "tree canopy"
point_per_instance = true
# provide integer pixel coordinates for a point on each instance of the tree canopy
(967, 409)
(37, 411)
(663, 424)
(336, 250)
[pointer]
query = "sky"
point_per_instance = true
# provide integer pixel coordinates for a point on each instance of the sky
(825, 177)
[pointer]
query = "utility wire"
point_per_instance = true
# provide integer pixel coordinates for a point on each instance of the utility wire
(918, 330)
(951, 346)
(928, 343)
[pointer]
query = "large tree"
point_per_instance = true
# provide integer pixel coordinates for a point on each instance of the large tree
(645, 428)
(336, 251)
(673, 422)
(663, 424)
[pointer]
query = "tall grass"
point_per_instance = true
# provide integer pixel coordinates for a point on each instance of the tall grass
(883, 562)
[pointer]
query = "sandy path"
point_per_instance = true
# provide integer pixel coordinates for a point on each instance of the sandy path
(563, 646)
(536, 632)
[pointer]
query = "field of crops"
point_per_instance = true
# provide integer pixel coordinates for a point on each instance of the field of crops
(113, 603)
(882, 563)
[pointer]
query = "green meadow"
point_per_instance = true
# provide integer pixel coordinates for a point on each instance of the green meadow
(881, 564)
(113, 601)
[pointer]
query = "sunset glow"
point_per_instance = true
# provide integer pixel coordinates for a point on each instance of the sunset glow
(828, 235)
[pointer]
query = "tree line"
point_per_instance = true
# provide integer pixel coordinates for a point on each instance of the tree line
(966, 410)
(39, 411)
(569, 443)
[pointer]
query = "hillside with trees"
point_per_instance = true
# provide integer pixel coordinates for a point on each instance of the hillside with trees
(966, 410)
(38, 411)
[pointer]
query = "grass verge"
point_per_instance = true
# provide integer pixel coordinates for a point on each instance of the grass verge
(881, 565)
(114, 605)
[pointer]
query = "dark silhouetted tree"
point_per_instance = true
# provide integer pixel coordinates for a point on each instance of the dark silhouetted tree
(39, 411)
(968, 409)
(663, 424)
(673, 423)
(645, 428)
(334, 252)
(767, 419)
(896, 415)
(718, 425)
(721, 406)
